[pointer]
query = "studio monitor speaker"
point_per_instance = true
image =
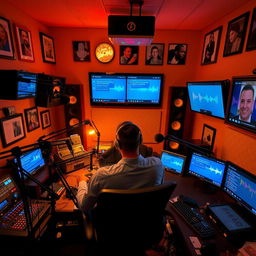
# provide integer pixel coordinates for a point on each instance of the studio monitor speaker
(177, 112)
(73, 110)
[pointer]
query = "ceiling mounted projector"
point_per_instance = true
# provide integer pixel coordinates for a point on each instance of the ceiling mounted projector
(131, 30)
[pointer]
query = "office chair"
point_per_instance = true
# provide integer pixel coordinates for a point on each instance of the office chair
(127, 222)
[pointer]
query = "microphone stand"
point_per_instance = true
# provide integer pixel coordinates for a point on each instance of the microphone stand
(16, 152)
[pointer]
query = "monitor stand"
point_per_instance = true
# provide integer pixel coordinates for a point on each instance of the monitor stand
(206, 187)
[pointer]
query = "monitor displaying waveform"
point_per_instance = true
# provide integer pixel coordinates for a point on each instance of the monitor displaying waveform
(208, 97)
(241, 185)
(173, 162)
(143, 89)
(108, 89)
(238, 113)
(208, 168)
(126, 89)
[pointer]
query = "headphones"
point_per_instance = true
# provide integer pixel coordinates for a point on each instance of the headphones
(118, 143)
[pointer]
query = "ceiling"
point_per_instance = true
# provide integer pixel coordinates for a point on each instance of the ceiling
(170, 14)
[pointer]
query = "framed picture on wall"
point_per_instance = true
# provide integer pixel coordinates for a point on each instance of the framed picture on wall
(47, 46)
(235, 35)
(81, 51)
(211, 46)
(12, 129)
(154, 54)
(177, 54)
(24, 42)
(32, 120)
(6, 43)
(251, 40)
(129, 55)
(45, 119)
(208, 136)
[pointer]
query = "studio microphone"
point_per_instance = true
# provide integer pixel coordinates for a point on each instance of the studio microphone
(69, 144)
(159, 137)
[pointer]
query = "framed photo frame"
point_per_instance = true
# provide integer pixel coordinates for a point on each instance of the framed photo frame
(177, 54)
(251, 40)
(6, 42)
(235, 35)
(31, 117)
(211, 46)
(47, 46)
(12, 129)
(24, 42)
(81, 51)
(208, 136)
(154, 54)
(45, 119)
(129, 55)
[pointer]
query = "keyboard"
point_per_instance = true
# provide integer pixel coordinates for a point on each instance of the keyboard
(194, 219)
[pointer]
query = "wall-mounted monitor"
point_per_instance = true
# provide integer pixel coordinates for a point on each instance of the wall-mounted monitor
(241, 110)
(207, 168)
(241, 185)
(125, 89)
(209, 98)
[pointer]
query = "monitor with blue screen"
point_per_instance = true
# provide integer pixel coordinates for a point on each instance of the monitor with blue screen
(144, 89)
(208, 97)
(31, 161)
(173, 162)
(241, 185)
(207, 168)
(125, 89)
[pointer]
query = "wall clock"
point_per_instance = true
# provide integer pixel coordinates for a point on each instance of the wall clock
(104, 52)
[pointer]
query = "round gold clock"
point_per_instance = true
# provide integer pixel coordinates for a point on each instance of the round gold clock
(104, 52)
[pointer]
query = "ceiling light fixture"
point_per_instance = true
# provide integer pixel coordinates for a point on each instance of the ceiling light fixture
(131, 30)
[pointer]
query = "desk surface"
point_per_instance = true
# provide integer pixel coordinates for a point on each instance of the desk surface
(199, 191)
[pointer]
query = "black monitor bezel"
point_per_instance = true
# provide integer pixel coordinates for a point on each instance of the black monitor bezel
(247, 174)
(204, 178)
(127, 104)
(225, 84)
(239, 125)
(178, 155)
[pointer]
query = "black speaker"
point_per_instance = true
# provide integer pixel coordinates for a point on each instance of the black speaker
(177, 112)
(73, 110)
(50, 90)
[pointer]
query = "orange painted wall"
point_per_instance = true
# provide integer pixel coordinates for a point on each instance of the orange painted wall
(15, 16)
(151, 121)
(231, 143)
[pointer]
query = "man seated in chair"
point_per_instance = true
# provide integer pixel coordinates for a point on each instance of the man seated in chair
(131, 172)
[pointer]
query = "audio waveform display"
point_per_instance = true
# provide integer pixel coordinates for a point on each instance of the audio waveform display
(242, 186)
(206, 98)
(210, 169)
(172, 161)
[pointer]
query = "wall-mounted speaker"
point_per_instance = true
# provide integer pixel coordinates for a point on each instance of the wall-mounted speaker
(73, 110)
(176, 120)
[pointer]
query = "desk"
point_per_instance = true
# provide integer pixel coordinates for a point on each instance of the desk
(65, 204)
(194, 188)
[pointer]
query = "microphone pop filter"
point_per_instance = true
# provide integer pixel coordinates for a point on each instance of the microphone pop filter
(159, 137)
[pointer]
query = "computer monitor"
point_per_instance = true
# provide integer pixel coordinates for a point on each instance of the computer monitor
(144, 89)
(208, 98)
(173, 162)
(241, 111)
(241, 185)
(31, 161)
(207, 168)
(107, 89)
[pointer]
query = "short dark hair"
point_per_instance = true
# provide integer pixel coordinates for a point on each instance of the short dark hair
(178, 47)
(128, 136)
(248, 87)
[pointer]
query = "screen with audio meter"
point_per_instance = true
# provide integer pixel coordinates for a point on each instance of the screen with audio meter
(209, 98)
(173, 162)
(126, 89)
(207, 168)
